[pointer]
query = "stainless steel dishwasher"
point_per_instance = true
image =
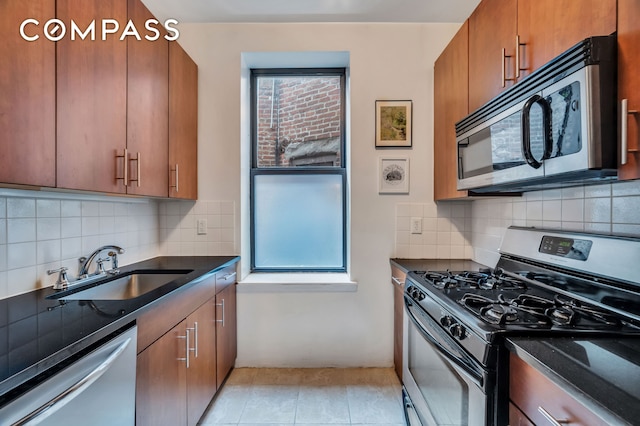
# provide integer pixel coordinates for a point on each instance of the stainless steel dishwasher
(97, 389)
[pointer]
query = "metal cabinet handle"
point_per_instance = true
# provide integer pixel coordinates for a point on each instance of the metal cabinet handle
(68, 395)
(504, 68)
(137, 179)
(177, 178)
(624, 134)
(552, 419)
(518, 46)
(187, 346)
(228, 276)
(221, 304)
(195, 339)
(125, 168)
(397, 281)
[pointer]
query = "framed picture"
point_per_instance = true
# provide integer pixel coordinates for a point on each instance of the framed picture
(393, 175)
(393, 124)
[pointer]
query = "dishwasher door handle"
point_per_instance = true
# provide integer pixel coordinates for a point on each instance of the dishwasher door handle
(73, 391)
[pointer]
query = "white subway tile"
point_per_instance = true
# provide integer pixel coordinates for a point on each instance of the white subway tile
(626, 210)
(4, 285)
(48, 228)
(444, 238)
(572, 226)
(107, 225)
(21, 280)
(415, 239)
(533, 196)
(90, 225)
(552, 224)
(3, 231)
(227, 235)
(226, 221)
(107, 209)
(597, 210)
(458, 224)
(416, 210)
(120, 209)
(187, 234)
(173, 207)
(457, 209)
(403, 223)
(214, 235)
(188, 222)
(430, 252)
(402, 251)
(200, 208)
(597, 191)
(519, 210)
(48, 208)
(597, 227)
(70, 227)
(70, 208)
(552, 210)
(534, 210)
(48, 251)
(628, 229)
(3, 207)
(90, 208)
(213, 249)
(573, 192)
(227, 207)
(444, 209)
(402, 237)
(416, 252)
(429, 224)
(21, 230)
(443, 252)
(21, 208)
(430, 210)
(70, 248)
(457, 252)
(552, 194)
(621, 189)
(573, 210)
(3, 257)
(187, 248)
(444, 224)
(20, 255)
(213, 207)
(429, 238)
(186, 207)
(90, 243)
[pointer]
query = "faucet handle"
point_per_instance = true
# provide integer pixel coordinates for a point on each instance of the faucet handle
(63, 282)
(114, 260)
(100, 263)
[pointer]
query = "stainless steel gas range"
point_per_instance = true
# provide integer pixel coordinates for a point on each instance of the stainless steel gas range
(546, 283)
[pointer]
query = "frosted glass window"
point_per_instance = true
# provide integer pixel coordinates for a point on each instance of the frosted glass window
(298, 221)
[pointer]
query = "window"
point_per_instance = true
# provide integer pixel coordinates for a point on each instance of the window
(298, 175)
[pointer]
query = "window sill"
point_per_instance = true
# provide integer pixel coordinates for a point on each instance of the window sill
(297, 283)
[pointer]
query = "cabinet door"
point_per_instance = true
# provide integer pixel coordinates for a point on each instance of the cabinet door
(549, 27)
(492, 27)
(161, 394)
(91, 99)
(201, 374)
(226, 331)
(451, 89)
(183, 124)
(629, 82)
(27, 103)
(147, 109)
(397, 279)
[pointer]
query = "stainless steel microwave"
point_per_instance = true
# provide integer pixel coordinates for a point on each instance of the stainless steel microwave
(555, 128)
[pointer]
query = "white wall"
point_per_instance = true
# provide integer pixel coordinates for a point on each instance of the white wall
(387, 61)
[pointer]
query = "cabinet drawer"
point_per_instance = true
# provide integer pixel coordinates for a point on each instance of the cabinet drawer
(398, 276)
(533, 393)
(225, 277)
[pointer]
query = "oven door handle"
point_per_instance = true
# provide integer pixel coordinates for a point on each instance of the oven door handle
(465, 366)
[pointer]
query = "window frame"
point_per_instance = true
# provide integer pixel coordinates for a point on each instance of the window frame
(300, 170)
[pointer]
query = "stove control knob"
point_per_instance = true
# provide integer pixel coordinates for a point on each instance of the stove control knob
(458, 331)
(420, 295)
(446, 321)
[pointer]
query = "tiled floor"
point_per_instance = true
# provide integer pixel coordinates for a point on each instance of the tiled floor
(328, 396)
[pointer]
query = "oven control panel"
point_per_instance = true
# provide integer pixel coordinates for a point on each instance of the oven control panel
(569, 248)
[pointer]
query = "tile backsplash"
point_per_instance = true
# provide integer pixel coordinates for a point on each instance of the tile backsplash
(446, 230)
(46, 231)
(41, 231)
(609, 208)
(179, 233)
(473, 229)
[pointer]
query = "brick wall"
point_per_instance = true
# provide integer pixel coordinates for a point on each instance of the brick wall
(295, 110)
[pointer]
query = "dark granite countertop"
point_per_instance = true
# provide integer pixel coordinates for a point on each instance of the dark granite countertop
(37, 333)
(436, 264)
(603, 373)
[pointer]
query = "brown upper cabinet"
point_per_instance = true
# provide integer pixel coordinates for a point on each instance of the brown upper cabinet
(629, 87)
(91, 100)
(183, 124)
(451, 104)
(27, 104)
(509, 39)
(147, 110)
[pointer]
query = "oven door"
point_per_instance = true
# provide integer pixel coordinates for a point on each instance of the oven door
(444, 383)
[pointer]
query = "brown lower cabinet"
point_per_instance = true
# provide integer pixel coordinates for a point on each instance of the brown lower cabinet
(226, 332)
(532, 394)
(186, 350)
(397, 279)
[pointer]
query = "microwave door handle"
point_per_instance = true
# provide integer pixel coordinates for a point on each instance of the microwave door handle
(463, 367)
(526, 130)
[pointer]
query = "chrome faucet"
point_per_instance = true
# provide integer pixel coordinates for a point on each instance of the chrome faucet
(86, 261)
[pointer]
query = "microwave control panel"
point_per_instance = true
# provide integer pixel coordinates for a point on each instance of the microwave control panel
(566, 247)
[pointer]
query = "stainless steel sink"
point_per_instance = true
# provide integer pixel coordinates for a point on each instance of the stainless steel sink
(126, 287)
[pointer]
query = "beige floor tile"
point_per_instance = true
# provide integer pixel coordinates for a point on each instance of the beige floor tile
(227, 406)
(270, 404)
(323, 404)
